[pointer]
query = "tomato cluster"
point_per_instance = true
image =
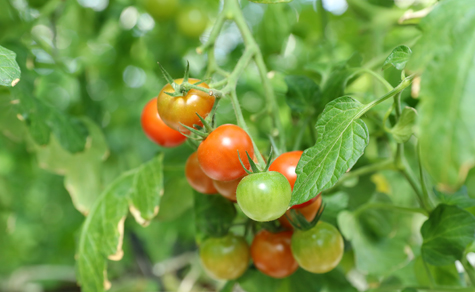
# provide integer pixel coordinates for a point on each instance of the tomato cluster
(221, 165)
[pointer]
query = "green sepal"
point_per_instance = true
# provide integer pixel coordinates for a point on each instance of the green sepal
(254, 167)
(187, 72)
(194, 131)
(242, 164)
(206, 125)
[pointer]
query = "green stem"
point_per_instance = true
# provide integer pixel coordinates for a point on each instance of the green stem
(238, 17)
(469, 270)
(403, 85)
(374, 74)
(397, 104)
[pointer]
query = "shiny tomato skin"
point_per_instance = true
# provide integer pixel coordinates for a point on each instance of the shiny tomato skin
(225, 258)
(319, 249)
(272, 255)
(196, 177)
(218, 153)
(286, 164)
(264, 196)
(309, 211)
(156, 130)
(175, 111)
(227, 188)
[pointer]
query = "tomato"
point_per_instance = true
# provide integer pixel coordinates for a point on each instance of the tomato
(286, 164)
(264, 196)
(272, 255)
(192, 22)
(227, 188)
(225, 257)
(155, 128)
(319, 249)
(218, 153)
(196, 177)
(183, 109)
(309, 212)
(161, 9)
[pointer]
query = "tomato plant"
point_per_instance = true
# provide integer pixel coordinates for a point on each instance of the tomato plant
(271, 253)
(318, 250)
(366, 105)
(156, 129)
(219, 153)
(178, 110)
(225, 257)
(263, 196)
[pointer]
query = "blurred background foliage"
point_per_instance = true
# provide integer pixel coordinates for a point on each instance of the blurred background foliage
(96, 60)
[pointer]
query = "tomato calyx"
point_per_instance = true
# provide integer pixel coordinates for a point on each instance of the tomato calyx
(298, 220)
(273, 226)
(254, 167)
(183, 88)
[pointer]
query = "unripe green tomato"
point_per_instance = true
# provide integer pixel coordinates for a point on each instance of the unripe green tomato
(225, 257)
(264, 196)
(192, 22)
(161, 9)
(319, 249)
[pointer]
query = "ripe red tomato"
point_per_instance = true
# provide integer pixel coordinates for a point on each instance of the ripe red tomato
(272, 254)
(196, 177)
(156, 129)
(286, 164)
(227, 188)
(218, 153)
(225, 257)
(182, 109)
(309, 212)
(319, 249)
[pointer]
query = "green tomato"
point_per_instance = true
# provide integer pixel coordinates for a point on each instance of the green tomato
(264, 196)
(192, 22)
(225, 257)
(161, 9)
(319, 249)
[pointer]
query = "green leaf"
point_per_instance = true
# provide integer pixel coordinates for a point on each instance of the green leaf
(445, 55)
(214, 214)
(446, 234)
(342, 138)
(102, 234)
(442, 275)
(398, 58)
(9, 69)
(271, 1)
(374, 256)
(43, 119)
(82, 171)
(148, 190)
(302, 94)
(404, 127)
(460, 198)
